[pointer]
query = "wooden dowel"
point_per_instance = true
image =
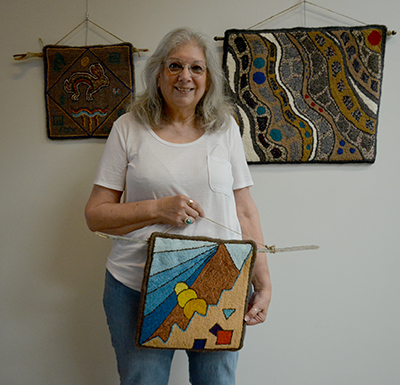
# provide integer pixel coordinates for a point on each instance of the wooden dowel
(389, 33)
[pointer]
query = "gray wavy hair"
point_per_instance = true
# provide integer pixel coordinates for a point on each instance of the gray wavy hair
(214, 108)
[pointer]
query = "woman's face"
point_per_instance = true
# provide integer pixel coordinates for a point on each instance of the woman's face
(182, 92)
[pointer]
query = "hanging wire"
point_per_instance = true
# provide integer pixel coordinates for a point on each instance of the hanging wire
(87, 22)
(98, 26)
(70, 32)
(329, 10)
(273, 16)
(304, 2)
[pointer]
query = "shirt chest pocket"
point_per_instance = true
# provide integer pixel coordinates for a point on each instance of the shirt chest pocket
(220, 176)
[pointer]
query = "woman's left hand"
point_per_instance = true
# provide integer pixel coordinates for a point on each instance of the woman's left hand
(251, 228)
(258, 307)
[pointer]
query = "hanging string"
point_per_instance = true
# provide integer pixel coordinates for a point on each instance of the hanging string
(329, 10)
(315, 5)
(98, 26)
(87, 22)
(69, 33)
(264, 249)
(273, 16)
(304, 2)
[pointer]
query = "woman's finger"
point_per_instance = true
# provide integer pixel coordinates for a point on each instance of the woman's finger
(195, 207)
(255, 316)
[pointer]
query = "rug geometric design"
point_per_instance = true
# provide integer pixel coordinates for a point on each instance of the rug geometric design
(306, 94)
(194, 293)
(86, 89)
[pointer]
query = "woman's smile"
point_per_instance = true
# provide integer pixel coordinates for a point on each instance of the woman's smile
(180, 89)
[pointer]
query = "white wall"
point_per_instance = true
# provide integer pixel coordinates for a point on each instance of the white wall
(335, 316)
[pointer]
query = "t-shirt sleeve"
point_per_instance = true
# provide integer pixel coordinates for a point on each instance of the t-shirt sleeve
(111, 172)
(240, 169)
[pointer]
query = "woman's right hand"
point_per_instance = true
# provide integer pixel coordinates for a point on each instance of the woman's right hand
(178, 211)
(106, 214)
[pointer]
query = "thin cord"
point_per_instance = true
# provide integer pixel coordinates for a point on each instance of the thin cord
(242, 235)
(107, 31)
(70, 32)
(329, 10)
(264, 249)
(304, 3)
(269, 18)
(87, 19)
(119, 238)
(389, 33)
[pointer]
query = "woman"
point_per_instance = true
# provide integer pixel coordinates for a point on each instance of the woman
(178, 157)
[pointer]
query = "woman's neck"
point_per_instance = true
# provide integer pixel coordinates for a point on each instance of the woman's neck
(180, 128)
(180, 116)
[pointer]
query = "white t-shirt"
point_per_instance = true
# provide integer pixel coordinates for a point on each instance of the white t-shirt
(136, 160)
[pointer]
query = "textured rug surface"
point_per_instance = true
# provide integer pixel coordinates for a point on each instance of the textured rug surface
(307, 95)
(195, 293)
(86, 89)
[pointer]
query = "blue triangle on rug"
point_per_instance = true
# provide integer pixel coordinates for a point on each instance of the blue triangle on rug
(228, 312)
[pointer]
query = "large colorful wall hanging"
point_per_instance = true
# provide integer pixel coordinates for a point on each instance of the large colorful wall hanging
(306, 94)
(87, 88)
(195, 292)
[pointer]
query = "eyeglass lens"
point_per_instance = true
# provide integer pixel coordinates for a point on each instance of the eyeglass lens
(176, 67)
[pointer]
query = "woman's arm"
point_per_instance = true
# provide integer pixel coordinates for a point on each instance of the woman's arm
(106, 214)
(251, 228)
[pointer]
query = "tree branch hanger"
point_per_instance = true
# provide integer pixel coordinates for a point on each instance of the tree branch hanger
(29, 55)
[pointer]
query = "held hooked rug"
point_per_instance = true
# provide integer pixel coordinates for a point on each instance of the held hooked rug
(306, 94)
(194, 293)
(86, 88)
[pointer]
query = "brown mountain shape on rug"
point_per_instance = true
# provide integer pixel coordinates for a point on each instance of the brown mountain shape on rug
(219, 274)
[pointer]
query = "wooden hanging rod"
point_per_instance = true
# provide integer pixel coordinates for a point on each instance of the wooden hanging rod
(389, 33)
(29, 55)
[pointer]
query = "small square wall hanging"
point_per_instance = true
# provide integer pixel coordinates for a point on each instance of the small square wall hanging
(86, 88)
(195, 293)
(307, 94)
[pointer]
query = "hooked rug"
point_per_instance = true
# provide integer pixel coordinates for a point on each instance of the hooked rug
(87, 88)
(195, 293)
(306, 94)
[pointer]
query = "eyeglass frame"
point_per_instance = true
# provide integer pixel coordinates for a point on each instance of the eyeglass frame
(183, 65)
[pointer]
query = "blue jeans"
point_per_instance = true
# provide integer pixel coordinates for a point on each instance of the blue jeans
(138, 366)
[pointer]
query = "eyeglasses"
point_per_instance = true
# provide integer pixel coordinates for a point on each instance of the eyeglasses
(175, 67)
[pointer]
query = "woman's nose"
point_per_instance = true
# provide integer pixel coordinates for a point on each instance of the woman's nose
(185, 74)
